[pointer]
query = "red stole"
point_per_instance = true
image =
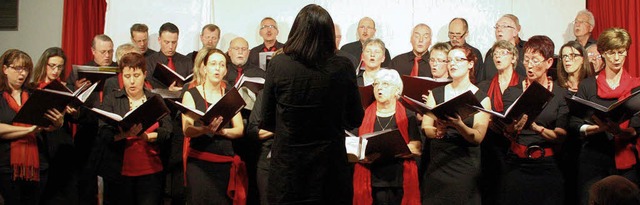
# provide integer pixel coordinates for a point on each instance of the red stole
(495, 94)
(362, 174)
(623, 148)
(140, 158)
(25, 160)
(238, 181)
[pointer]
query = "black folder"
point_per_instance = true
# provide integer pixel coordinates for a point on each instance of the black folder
(96, 74)
(385, 144)
(462, 105)
(366, 95)
(618, 112)
(166, 76)
(227, 107)
(146, 114)
(416, 86)
(255, 84)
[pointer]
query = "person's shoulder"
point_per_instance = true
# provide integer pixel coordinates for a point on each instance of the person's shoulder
(352, 45)
(257, 48)
(484, 85)
(402, 56)
(179, 56)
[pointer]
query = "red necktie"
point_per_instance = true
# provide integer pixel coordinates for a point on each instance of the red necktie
(170, 63)
(239, 73)
(414, 71)
(265, 49)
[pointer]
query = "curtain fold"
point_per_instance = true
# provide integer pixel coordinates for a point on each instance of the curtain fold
(81, 21)
(624, 14)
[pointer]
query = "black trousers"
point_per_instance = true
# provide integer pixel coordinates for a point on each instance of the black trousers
(139, 190)
(21, 192)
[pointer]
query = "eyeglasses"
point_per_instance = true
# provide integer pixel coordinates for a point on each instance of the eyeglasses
(383, 84)
(437, 61)
(576, 22)
(611, 53)
(593, 56)
(456, 60)
(54, 66)
(268, 26)
(243, 49)
(570, 56)
(501, 53)
(503, 27)
(19, 69)
(456, 35)
(534, 62)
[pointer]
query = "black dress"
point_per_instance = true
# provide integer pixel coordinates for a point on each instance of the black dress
(537, 181)
(454, 168)
(206, 181)
(309, 108)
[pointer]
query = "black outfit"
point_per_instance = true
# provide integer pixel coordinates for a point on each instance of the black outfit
(206, 181)
(589, 42)
(494, 147)
(454, 168)
(537, 181)
(352, 58)
(20, 191)
(355, 49)
(120, 189)
(254, 53)
(148, 52)
(247, 69)
(478, 66)
(597, 156)
(489, 69)
(403, 63)
(567, 156)
(73, 76)
(183, 66)
(308, 108)
(251, 132)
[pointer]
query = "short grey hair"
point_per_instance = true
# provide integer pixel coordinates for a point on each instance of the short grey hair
(374, 41)
(124, 49)
(592, 20)
(390, 76)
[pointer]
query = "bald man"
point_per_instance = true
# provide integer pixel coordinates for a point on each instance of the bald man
(239, 54)
(416, 61)
(458, 32)
(366, 30)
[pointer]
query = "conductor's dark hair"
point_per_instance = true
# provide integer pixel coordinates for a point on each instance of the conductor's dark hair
(312, 37)
(169, 27)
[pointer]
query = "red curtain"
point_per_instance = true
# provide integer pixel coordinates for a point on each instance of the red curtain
(624, 14)
(81, 21)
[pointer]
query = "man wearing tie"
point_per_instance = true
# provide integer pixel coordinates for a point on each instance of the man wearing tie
(269, 33)
(239, 53)
(140, 38)
(168, 56)
(416, 61)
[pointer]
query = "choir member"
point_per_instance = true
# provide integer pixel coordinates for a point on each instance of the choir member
(583, 26)
(366, 30)
(458, 33)
(269, 33)
(507, 28)
(415, 62)
(595, 59)
(438, 60)
(140, 38)
(372, 57)
(168, 56)
(209, 36)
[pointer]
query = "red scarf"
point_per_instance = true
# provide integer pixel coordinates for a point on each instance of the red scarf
(238, 181)
(624, 153)
(25, 161)
(495, 94)
(362, 174)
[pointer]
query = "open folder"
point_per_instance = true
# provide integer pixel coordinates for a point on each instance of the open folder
(462, 105)
(383, 144)
(167, 76)
(617, 112)
(227, 107)
(146, 114)
(32, 112)
(416, 86)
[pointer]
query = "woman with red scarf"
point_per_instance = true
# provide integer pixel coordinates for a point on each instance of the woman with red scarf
(454, 164)
(214, 173)
(388, 181)
(130, 163)
(608, 149)
(532, 175)
(23, 156)
(503, 89)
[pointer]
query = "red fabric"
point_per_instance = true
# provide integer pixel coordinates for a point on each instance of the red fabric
(272, 49)
(414, 70)
(25, 161)
(239, 74)
(362, 174)
(495, 94)
(170, 63)
(121, 83)
(624, 152)
(521, 151)
(140, 157)
(619, 13)
(81, 21)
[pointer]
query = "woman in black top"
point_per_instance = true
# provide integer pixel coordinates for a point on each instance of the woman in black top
(23, 152)
(607, 147)
(310, 97)
(533, 176)
(209, 152)
(454, 167)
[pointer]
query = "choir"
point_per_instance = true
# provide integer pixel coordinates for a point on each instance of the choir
(286, 147)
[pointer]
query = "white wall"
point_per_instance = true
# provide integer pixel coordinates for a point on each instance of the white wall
(39, 27)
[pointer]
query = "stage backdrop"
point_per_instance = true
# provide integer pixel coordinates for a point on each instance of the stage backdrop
(394, 19)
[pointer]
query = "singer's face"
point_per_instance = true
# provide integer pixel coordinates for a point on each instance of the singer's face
(133, 80)
(216, 68)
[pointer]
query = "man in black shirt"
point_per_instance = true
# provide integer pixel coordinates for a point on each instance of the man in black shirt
(239, 54)
(140, 38)
(209, 36)
(102, 50)
(582, 28)
(269, 33)
(366, 30)
(168, 55)
(458, 32)
(507, 28)
(352, 58)
(416, 61)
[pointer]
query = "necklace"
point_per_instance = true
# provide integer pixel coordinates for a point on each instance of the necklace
(131, 104)
(384, 127)
(549, 83)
